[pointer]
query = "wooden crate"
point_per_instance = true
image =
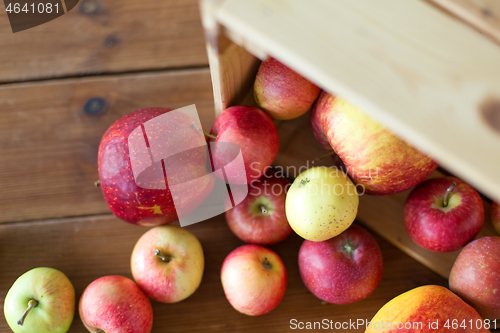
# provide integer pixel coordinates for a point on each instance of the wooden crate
(435, 84)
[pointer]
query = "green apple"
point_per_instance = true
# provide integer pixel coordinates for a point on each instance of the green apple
(321, 203)
(41, 300)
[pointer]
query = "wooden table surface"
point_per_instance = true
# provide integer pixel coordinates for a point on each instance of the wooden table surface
(132, 55)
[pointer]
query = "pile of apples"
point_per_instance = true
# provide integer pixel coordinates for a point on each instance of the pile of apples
(339, 262)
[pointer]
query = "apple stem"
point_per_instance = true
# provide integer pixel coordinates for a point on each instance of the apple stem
(349, 247)
(97, 183)
(100, 331)
(325, 155)
(202, 131)
(263, 209)
(31, 304)
(447, 195)
(162, 256)
(303, 182)
(267, 265)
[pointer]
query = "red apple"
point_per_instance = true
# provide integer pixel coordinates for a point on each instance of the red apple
(495, 216)
(254, 132)
(374, 157)
(281, 92)
(475, 276)
(167, 263)
(343, 269)
(260, 218)
(115, 304)
(443, 217)
(131, 168)
(254, 279)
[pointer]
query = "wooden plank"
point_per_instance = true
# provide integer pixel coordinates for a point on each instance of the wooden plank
(484, 15)
(232, 67)
(48, 152)
(88, 248)
(434, 85)
(105, 37)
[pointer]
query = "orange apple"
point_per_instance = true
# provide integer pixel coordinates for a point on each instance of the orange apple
(427, 309)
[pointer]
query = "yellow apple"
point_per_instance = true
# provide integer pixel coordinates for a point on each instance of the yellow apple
(321, 203)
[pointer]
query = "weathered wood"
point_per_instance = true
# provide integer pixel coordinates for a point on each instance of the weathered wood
(88, 248)
(48, 152)
(107, 36)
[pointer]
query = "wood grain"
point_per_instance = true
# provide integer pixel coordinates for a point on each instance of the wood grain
(48, 156)
(484, 15)
(88, 248)
(430, 84)
(107, 36)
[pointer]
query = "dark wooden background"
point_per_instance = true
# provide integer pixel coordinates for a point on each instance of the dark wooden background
(132, 54)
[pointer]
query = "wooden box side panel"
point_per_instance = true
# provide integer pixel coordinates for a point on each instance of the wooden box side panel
(232, 67)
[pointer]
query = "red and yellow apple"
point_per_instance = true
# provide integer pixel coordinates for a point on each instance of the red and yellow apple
(254, 279)
(115, 304)
(374, 157)
(167, 263)
(443, 214)
(260, 218)
(321, 203)
(254, 132)
(131, 169)
(425, 309)
(475, 276)
(343, 269)
(281, 92)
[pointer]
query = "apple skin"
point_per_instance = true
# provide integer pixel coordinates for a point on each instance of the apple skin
(324, 206)
(495, 216)
(281, 92)
(249, 286)
(344, 269)
(115, 304)
(438, 228)
(425, 305)
(253, 225)
(254, 132)
(142, 206)
(171, 281)
(374, 157)
(56, 302)
(474, 276)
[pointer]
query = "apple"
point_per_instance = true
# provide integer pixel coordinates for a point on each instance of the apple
(260, 218)
(495, 216)
(41, 300)
(374, 157)
(281, 92)
(443, 214)
(254, 279)
(474, 276)
(114, 304)
(254, 132)
(167, 263)
(321, 203)
(427, 308)
(133, 186)
(343, 269)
